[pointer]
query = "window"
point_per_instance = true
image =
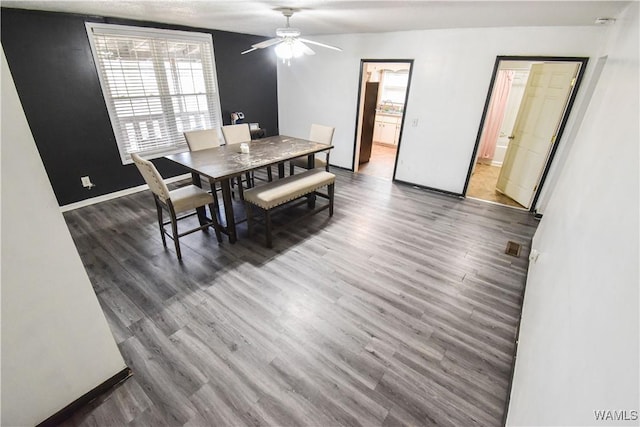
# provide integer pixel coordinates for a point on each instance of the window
(394, 86)
(157, 84)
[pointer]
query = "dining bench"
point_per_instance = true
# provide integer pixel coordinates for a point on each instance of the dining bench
(285, 190)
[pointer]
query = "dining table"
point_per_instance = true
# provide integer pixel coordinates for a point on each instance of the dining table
(224, 163)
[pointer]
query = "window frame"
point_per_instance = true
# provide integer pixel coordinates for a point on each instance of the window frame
(212, 92)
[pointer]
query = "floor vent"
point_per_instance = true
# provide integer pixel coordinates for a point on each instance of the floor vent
(513, 249)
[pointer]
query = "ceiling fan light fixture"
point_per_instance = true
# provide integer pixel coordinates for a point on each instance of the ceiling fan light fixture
(284, 51)
(289, 49)
(288, 32)
(288, 43)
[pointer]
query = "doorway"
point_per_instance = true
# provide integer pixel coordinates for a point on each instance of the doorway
(384, 89)
(525, 113)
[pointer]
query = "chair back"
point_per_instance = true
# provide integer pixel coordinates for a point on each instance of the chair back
(235, 134)
(202, 139)
(152, 177)
(321, 134)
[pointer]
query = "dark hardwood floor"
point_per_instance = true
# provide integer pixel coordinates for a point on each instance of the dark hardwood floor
(400, 310)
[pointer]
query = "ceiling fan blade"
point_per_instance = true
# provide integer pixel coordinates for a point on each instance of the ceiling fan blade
(249, 50)
(321, 44)
(266, 43)
(306, 49)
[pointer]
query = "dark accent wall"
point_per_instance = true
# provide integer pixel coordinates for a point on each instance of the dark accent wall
(57, 82)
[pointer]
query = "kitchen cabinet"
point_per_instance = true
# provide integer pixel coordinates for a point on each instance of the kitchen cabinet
(387, 129)
(387, 133)
(397, 135)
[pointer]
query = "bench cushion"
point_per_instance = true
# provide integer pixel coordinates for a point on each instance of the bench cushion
(278, 192)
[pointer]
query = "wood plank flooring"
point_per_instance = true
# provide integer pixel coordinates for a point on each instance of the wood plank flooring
(381, 163)
(401, 310)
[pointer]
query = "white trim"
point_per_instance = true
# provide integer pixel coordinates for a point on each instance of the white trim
(133, 31)
(150, 155)
(115, 195)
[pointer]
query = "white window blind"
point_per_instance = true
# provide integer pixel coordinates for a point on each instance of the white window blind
(157, 84)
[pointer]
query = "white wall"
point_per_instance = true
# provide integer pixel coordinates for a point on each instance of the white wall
(56, 344)
(451, 76)
(578, 348)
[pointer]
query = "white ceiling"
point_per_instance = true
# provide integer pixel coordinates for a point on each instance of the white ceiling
(340, 17)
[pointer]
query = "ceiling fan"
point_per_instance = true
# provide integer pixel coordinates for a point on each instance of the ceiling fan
(288, 41)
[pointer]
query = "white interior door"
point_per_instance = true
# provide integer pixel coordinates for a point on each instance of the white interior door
(516, 92)
(544, 101)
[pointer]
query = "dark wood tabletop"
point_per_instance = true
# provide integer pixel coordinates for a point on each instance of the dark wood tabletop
(226, 161)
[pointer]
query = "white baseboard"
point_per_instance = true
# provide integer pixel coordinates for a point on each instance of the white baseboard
(115, 195)
(493, 163)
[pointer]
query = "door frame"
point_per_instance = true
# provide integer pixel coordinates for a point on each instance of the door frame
(563, 121)
(359, 100)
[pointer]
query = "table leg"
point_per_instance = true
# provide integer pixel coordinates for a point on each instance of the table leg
(311, 161)
(281, 170)
(195, 179)
(202, 214)
(228, 209)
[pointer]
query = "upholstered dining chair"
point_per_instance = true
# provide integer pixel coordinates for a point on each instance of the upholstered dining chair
(318, 133)
(237, 134)
(202, 139)
(174, 202)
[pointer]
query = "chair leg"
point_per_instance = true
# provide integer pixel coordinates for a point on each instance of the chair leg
(240, 188)
(249, 210)
(267, 223)
(331, 190)
(216, 203)
(214, 220)
(174, 230)
(160, 220)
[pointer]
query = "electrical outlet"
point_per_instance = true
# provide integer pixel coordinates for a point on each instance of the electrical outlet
(86, 182)
(533, 255)
(414, 123)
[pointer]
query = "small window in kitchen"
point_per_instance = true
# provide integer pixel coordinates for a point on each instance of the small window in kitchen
(157, 84)
(394, 86)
